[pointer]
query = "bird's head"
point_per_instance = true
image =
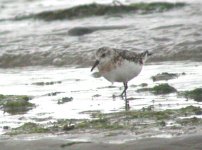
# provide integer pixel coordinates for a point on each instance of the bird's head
(103, 55)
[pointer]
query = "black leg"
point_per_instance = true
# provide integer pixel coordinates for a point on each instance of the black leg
(125, 89)
(124, 94)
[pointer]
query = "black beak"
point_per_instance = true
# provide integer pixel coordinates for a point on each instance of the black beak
(95, 64)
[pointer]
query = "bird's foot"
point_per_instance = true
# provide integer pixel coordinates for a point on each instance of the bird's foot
(122, 96)
(127, 106)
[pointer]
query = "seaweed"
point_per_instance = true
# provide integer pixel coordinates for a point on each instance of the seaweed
(163, 89)
(125, 120)
(195, 94)
(94, 9)
(65, 100)
(15, 104)
(28, 128)
(159, 89)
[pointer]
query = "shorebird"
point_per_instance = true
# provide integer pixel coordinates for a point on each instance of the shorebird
(117, 65)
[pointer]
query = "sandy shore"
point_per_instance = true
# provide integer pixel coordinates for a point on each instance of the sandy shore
(191, 142)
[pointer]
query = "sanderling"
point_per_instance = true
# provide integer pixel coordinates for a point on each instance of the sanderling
(118, 65)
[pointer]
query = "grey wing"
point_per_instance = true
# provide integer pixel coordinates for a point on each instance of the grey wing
(130, 56)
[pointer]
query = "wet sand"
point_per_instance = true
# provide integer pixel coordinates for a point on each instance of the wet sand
(190, 142)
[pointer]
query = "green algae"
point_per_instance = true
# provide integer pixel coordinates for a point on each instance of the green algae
(157, 5)
(163, 89)
(135, 120)
(190, 110)
(195, 94)
(190, 121)
(28, 128)
(15, 104)
(94, 9)
(7, 97)
(154, 115)
(112, 120)
(15, 107)
(2, 96)
(65, 100)
(101, 122)
(159, 89)
(64, 125)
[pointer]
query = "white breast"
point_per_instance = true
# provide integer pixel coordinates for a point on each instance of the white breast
(124, 72)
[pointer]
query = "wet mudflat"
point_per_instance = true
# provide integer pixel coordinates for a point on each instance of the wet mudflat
(73, 101)
(192, 142)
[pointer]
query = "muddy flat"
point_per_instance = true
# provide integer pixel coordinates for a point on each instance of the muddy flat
(191, 142)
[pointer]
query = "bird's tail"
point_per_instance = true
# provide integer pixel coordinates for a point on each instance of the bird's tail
(145, 55)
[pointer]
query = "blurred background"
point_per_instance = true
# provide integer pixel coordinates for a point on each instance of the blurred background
(64, 32)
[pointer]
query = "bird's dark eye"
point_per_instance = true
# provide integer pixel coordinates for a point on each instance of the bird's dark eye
(103, 55)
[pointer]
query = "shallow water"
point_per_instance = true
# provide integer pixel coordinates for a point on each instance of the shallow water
(89, 93)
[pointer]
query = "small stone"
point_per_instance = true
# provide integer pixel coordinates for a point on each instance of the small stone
(68, 127)
(64, 100)
(164, 76)
(6, 127)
